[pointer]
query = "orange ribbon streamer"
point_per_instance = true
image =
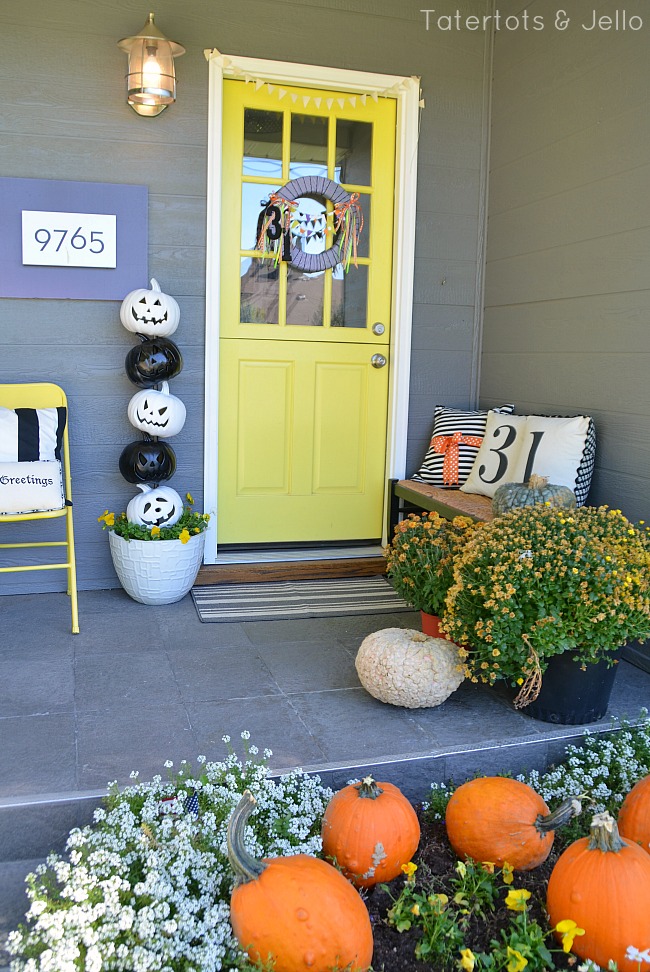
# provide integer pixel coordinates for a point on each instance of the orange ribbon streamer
(448, 445)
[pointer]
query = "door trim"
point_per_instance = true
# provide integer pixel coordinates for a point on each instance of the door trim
(406, 91)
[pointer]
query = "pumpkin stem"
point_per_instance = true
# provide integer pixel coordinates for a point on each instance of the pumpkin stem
(537, 482)
(368, 788)
(604, 835)
(567, 810)
(245, 866)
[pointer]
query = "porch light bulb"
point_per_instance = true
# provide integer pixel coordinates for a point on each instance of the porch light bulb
(151, 79)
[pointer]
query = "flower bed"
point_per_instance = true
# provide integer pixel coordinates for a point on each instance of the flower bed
(147, 886)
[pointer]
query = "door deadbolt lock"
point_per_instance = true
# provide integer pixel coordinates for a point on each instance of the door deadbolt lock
(378, 361)
(378, 328)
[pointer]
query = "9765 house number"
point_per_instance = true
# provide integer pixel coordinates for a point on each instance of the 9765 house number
(69, 239)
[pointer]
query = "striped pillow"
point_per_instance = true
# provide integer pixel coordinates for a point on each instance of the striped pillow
(31, 434)
(31, 478)
(455, 441)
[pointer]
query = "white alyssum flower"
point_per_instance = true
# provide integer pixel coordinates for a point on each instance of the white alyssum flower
(146, 887)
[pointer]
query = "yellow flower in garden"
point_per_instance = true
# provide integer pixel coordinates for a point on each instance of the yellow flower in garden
(568, 930)
(409, 870)
(155, 530)
(467, 959)
(516, 961)
(107, 518)
(188, 497)
(184, 535)
(507, 873)
(488, 866)
(516, 899)
(461, 869)
(415, 910)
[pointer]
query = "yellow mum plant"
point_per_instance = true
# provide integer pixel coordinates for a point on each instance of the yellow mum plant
(420, 559)
(539, 581)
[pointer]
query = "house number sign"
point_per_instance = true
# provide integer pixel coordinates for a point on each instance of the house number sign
(72, 240)
(53, 239)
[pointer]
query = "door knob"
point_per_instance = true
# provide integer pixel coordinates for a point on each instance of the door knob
(378, 328)
(378, 361)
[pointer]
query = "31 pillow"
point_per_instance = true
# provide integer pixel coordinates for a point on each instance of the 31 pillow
(562, 449)
(31, 487)
(455, 441)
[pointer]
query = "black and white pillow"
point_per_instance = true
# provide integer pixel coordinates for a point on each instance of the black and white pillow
(562, 448)
(447, 423)
(31, 434)
(31, 478)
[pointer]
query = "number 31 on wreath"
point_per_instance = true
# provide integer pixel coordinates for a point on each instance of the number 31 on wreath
(69, 239)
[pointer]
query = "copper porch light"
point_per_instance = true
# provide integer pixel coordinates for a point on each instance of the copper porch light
(150, 80)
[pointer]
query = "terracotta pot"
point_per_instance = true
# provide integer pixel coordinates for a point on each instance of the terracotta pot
(431, 625)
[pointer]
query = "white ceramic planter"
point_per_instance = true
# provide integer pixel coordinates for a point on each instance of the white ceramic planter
(156, 571)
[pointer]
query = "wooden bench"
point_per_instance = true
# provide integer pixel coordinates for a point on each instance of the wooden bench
(409, 495)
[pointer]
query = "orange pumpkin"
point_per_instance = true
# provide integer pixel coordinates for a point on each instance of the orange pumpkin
(370, 829)
(634, 815)
(603, 884)
(299, 911)
(497, 819)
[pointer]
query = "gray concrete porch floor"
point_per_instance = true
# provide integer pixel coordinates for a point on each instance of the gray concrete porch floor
(139, 685)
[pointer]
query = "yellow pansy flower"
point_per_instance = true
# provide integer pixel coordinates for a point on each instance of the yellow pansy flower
(516, 899)
(184, 535)
(568, 930)
(409, 870)
(107, 518)
(507, 873)
(516, 961)
(155, 530)
(188, 497)
(467, 959)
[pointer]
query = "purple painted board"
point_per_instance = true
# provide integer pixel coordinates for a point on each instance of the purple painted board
(128, 203)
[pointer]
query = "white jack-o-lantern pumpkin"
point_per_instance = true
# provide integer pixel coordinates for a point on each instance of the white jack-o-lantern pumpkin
(157, 412)
(150, 312)
(159, 506)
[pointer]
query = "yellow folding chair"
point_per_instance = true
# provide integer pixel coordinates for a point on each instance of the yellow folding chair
(46, 395)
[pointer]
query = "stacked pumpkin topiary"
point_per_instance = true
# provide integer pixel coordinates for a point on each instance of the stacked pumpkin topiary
(150, 461)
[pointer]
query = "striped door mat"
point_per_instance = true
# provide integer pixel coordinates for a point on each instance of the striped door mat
(277, 600)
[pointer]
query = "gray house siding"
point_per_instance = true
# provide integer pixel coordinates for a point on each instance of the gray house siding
(567, 315)
(64, 116)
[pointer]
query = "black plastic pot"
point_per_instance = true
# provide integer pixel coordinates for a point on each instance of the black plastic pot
(570, 696)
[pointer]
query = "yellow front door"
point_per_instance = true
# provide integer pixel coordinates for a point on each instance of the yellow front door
(303, 373)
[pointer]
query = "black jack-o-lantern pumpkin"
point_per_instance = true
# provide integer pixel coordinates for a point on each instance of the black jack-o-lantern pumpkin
(155, 506)
(153, 361)
(150, 312)
(147, 462)
(157, 412)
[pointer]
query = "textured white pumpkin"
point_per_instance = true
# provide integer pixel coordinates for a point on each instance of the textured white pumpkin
(159, 506)
(157, 412)
(150, 312)
(405, 667)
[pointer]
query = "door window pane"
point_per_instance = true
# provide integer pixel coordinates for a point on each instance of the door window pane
(308, 146)
(262, 143)
(305, 297)
(260, 288)
(349, 297)
(354, 151)
(253, 200)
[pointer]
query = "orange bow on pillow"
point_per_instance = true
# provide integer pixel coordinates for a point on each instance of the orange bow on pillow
(447, 445)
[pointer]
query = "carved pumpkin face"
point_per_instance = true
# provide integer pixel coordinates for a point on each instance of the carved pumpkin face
(156, 506)
(150, 312)
(153, 361)
(147, 462)
(157, 412)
